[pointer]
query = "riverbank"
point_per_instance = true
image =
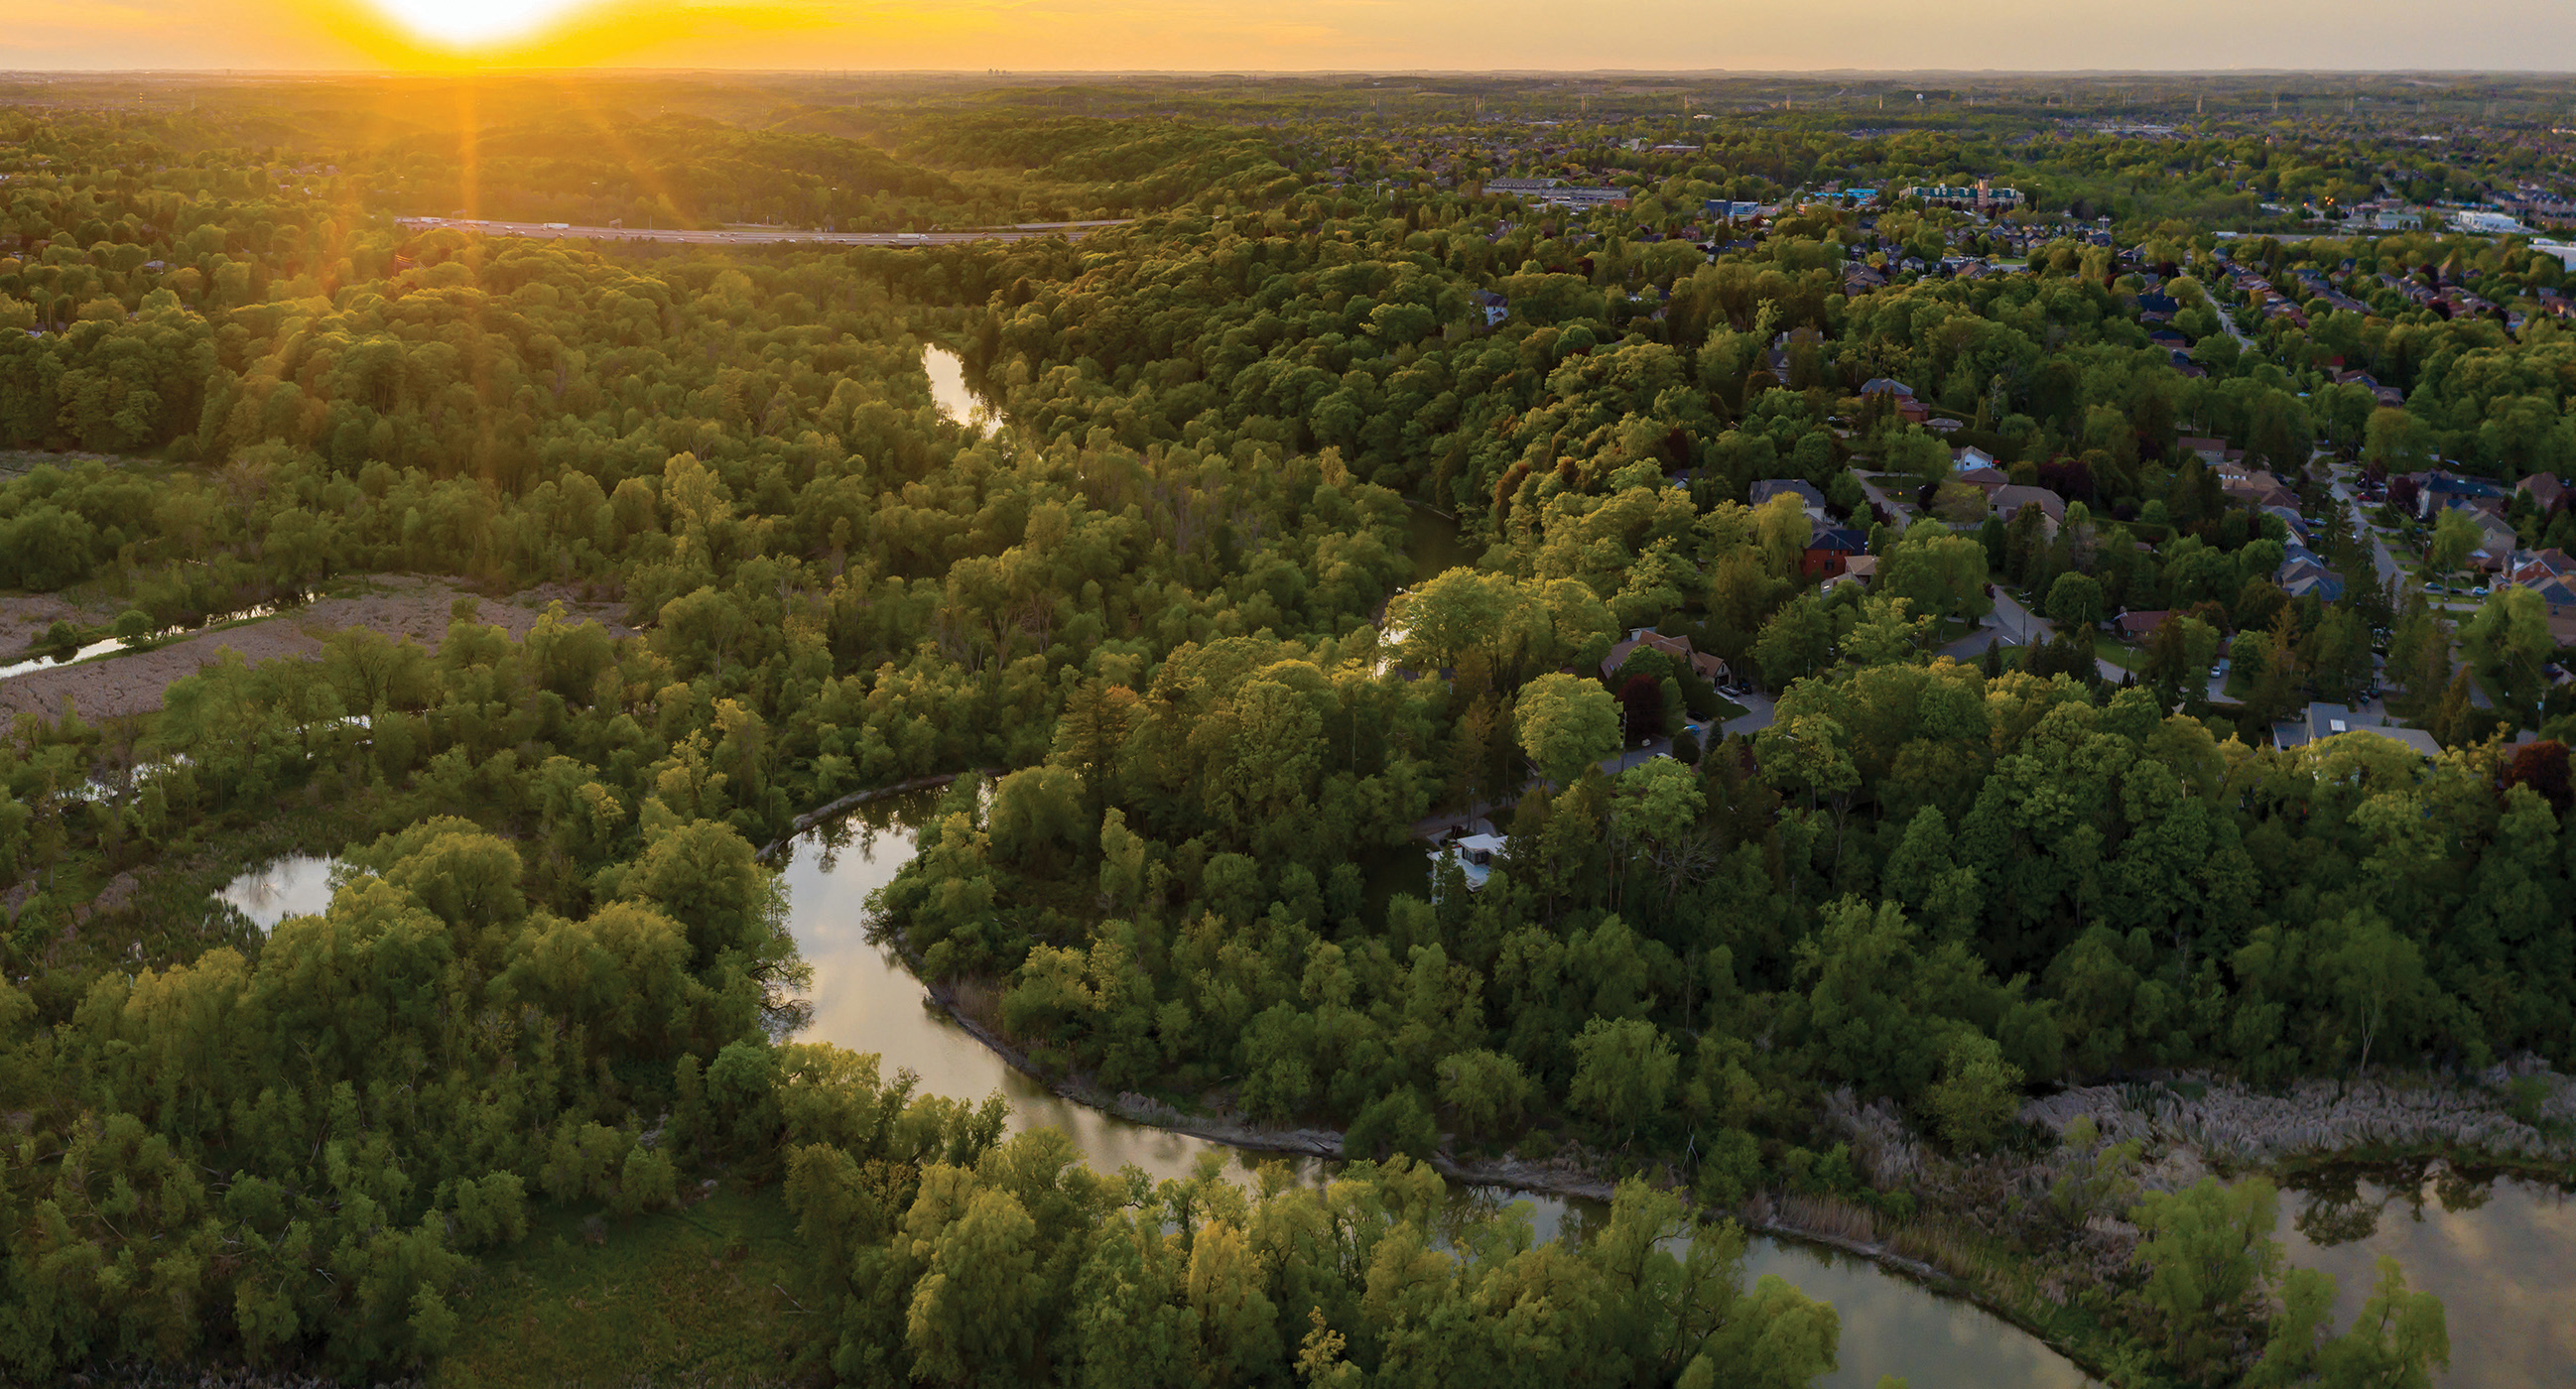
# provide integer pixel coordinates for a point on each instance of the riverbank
(855, 799)
(1554, 1177)
(397, 606)
(1822, 1224)
(1987, 1229)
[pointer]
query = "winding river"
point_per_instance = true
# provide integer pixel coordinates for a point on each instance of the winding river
(864, 999)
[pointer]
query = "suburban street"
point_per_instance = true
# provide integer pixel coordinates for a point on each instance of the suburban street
(755, 236)
(1879, 497)
(2386, 563)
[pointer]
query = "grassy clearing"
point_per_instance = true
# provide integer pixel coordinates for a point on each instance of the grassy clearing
(689, 1297)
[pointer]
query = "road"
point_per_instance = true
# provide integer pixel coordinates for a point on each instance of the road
(2386, 563)
(2013, 625)
(754, 236)
(1901, 512)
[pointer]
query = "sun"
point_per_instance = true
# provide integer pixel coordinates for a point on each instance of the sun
(464, 24)
(481, 35)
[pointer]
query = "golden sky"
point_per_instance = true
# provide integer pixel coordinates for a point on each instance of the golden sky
(1292, 35)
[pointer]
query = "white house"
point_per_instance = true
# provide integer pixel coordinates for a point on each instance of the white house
(1475, 854)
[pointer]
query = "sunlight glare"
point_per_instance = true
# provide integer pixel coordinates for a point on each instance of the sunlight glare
(467, 23)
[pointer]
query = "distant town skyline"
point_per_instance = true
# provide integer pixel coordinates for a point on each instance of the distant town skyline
(2523, 36)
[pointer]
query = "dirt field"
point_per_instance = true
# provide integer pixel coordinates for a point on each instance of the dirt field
(409, 606)
(25, 617)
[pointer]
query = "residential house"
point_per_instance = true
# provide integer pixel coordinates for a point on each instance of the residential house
(2136, 626)
(1830, 550)
(2009, 499)
(2260, 490)
(2302, 572)
(1858, 569)
(1476, 855)
(2211, 451)
(2323, 721)
(2437, 491)
(1908, 408)
(1710, 666)
(1808, 497)
(2545, 489)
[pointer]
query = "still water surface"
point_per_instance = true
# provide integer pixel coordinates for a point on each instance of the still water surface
(2499, 1251)
(865, 1000)
(296, 886)
(957, 401)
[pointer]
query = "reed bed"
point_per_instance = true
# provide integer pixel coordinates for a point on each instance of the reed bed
(2225, 1122)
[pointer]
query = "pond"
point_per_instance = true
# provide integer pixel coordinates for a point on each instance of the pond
(863, 998)
(295, 886)
(958, 402)
(2500, 1252)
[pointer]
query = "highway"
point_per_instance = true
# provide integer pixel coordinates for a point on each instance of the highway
(753, 236)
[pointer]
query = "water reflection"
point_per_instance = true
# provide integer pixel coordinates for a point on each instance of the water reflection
(864, 999)
(109, 646)
(2499, 1251)
(299, 885)
(1893, 1327)
(957, 400)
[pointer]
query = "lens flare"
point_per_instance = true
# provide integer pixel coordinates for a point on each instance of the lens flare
(474, 23)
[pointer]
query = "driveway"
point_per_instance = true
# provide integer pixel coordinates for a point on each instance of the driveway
(1755, 718)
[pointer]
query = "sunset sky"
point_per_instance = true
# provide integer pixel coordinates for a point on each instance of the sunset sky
(1292, 35)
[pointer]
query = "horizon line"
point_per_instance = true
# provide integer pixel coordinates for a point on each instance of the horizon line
(504, 69)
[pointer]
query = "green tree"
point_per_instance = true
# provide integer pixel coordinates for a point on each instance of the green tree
(1567, 725)
(1942, 572)
(1978, 1093)
(2209, 1255)
(1485, 1089)
(1623, 1072)
(1797, 642)
(2075, 600)
(2455, 535)
(2508, 640)
(2375, 976)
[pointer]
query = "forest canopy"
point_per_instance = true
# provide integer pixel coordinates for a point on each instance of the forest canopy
(1870, 627)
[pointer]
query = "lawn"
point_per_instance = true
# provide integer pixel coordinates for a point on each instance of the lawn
(682, 1297)
(2127, 658)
